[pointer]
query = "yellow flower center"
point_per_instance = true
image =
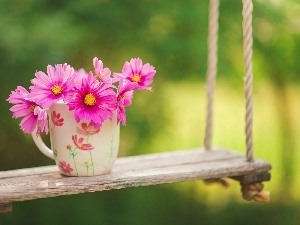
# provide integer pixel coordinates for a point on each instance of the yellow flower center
(136, 78)
(90, 99)
(120, 97)
(32, 107)
(56, 89)
(100, 76)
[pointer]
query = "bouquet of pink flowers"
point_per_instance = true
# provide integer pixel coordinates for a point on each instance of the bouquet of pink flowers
(93, 96)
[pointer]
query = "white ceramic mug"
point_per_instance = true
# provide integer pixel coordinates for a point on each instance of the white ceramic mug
(79, 149)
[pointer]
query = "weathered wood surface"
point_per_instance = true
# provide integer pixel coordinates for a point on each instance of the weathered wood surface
(253, 178)
(132, 171)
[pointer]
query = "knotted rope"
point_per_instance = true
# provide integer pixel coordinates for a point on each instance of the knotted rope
(213, 26)
(255, 192)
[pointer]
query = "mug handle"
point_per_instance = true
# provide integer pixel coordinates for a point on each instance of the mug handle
(41, 145)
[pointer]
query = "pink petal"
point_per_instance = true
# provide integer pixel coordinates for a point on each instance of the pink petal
(127, 71)
(41, 79)
(52, 73)
(136, 65)
(18, 96)
(121, 116)
(80, 140)
(28, 123)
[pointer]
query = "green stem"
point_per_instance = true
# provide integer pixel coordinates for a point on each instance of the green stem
(73, 155)
(111, 144)
(92, 162)
(91, 157)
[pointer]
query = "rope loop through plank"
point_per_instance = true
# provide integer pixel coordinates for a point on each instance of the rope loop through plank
(213, 27)
(255, 192)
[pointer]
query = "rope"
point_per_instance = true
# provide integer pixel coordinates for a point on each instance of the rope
(255, 192)
(248, 78)
(222, 181)
(211, 72)
(250, 191)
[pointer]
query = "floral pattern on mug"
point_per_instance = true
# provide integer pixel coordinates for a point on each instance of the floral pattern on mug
(110, 153)
(88, 165)
(87, 129)
(73, 153)
(79, 144)
(65, 167)
(56, 119)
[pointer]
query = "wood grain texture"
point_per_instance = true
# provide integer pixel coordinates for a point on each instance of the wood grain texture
(132, 171)
(253, 178)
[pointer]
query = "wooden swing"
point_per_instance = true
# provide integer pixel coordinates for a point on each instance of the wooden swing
(208, 164)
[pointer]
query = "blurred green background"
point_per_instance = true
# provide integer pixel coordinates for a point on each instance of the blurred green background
(171, 35)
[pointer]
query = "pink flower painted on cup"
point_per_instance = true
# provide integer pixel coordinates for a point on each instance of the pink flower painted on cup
(87, 129)
(65, 167)
(56, 119)
(79, 144)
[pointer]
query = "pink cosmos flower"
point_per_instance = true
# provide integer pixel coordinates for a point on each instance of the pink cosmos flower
(56, 119)
(87, 129)
(90, 97)
(80, 145)
(65, 167)
(93, 100)
(79, 75)
(53, 87)
(32, 113)
(42, 121)
(124, 99)
(102, 74)
(135, 71)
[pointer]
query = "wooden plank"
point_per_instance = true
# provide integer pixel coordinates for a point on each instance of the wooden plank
(253, 178)
(130, 171)
(28, 171)
(140, 161)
